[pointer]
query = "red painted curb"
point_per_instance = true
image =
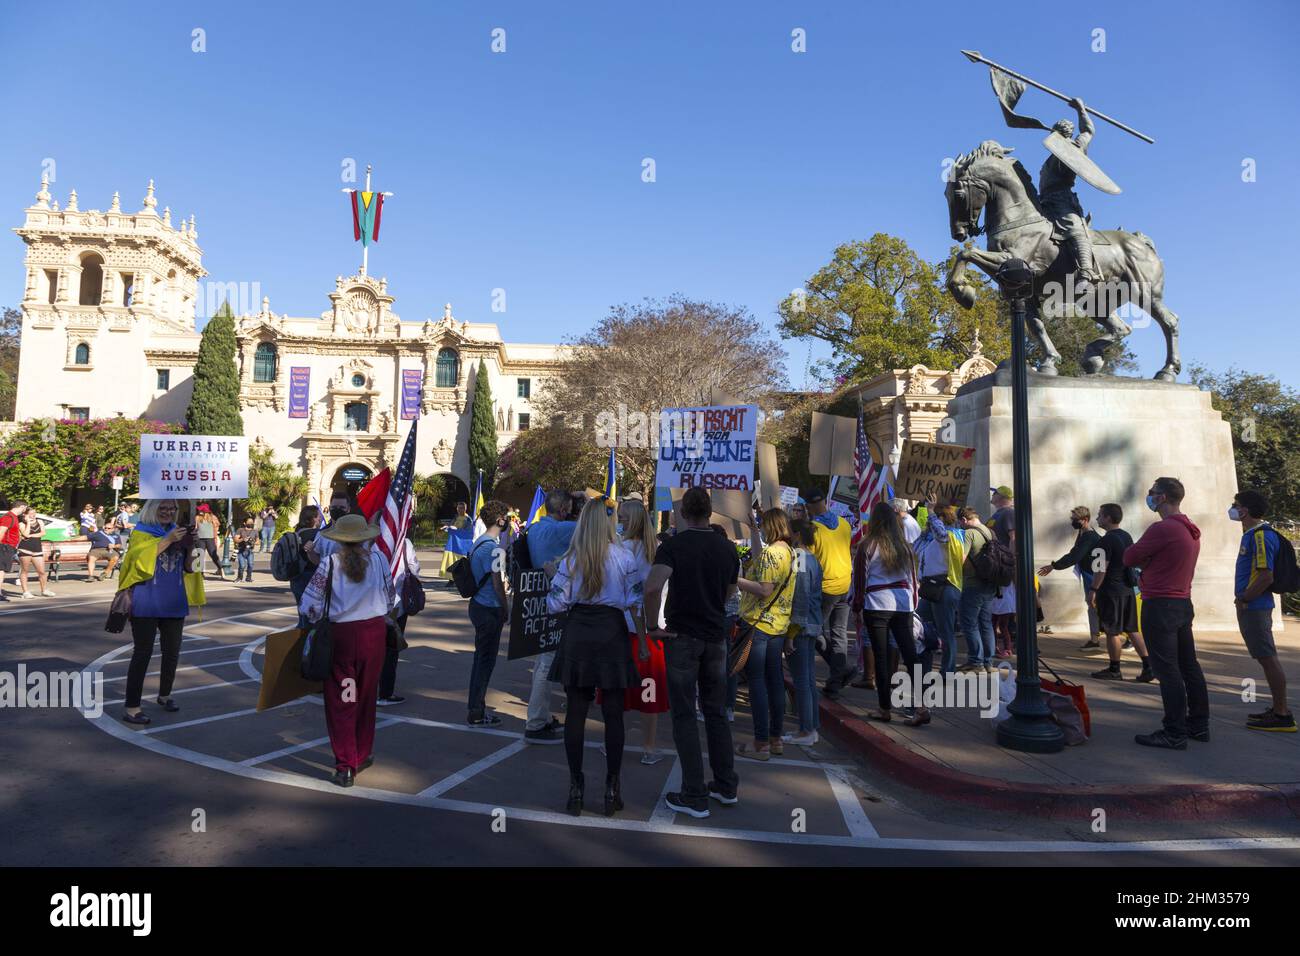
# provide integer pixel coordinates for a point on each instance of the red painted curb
(1171, 802)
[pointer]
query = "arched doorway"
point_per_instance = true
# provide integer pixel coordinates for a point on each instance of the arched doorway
(457, 490)
(350, 479)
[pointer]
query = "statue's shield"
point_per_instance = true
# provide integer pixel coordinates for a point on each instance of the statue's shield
(1065, 150)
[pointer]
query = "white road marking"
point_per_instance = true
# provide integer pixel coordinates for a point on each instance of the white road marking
(473, 770)
(204, 720)
(187, 667)
(192, 690)
(126, 659)
(305, 745)
(44, 604)
(147, 740)
(662, 814)
(850, 807)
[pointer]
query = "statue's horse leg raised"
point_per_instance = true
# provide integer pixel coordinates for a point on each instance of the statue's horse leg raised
(988, 262)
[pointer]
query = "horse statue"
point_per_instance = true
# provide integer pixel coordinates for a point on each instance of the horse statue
(987, 182)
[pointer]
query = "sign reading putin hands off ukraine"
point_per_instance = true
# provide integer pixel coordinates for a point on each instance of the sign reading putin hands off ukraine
(710, 447)
(193, 466)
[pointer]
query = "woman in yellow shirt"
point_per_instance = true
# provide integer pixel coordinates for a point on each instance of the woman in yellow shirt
(767, 595)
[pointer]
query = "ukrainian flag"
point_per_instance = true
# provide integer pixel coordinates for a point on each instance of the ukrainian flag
(611, 477)
(537, 510)
(478, 525)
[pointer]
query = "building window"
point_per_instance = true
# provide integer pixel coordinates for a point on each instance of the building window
(356, 417)
(264, 363)
(82, 354)
(525, 388)
(92, 280)
(358, 381)
(79, 414)
(128, 287)
(52, 282)
(164, 379)
(447, 370)
(524, 418)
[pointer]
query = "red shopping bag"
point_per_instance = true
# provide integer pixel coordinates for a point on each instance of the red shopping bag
(1075, 692)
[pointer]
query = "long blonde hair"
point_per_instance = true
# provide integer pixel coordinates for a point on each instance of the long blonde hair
(638, 528)
(590, 546)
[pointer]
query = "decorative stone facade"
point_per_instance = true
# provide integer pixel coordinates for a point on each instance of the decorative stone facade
(80, 266)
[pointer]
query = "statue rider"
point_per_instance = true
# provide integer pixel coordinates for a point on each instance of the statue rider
(1061, 204)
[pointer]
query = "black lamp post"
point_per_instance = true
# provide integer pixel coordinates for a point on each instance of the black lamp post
(1030, 727)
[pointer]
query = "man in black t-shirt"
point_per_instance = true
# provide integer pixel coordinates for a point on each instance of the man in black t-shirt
(700, 568)
(1111, 594)
(1080, 556)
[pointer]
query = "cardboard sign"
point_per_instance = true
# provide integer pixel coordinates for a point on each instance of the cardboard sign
(769, 483)
(830, 448)
(789, 497)
(931, 469)
(532, 629)
(193, 466)
(707, 447)
(299, 389)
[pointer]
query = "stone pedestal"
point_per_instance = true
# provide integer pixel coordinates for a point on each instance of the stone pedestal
(1094, 440)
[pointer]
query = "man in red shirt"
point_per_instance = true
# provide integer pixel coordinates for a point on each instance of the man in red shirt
(1167, 553)
(10, 534)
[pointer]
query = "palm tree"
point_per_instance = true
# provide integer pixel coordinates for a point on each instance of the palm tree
(429, 491)
(277, 484)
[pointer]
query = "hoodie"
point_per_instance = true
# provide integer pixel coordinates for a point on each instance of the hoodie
(1166, 553)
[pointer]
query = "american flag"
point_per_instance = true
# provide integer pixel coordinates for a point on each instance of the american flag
(873, 483)
(395, 519)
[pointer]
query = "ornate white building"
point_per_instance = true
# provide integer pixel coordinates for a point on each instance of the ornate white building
(108, 329)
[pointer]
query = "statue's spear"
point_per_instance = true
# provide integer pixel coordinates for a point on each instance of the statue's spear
(974, 57)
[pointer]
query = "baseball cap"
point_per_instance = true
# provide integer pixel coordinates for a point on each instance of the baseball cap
(1003, 490)
(813, 495)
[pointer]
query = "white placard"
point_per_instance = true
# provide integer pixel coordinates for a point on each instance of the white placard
(117, 482)
(193, 466)
(711, 447)
(789, 497)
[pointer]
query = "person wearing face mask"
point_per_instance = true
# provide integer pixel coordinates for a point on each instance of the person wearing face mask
(1082, 556)
(1112, 595)
(1167, 554)
(1256, 564)
(489, 609)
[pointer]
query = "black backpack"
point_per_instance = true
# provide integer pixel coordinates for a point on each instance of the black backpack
(462, 574)
(519, 556)
(1286, 577)
(286, 557)
(994, 563)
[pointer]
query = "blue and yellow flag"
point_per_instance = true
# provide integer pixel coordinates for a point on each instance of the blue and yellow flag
(537, 510)
(367, 209)
(611, 477)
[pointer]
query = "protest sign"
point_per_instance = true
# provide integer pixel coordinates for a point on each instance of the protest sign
(533, 630)
(934, 470)
(707, 447)
(789, 497)
(193, 466)
(299, 389)
(831, 443)
(769, 483)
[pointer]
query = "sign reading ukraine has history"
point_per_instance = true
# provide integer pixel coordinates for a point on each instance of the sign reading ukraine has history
(193, 466)
(711, 447)
(299, 390)
(411, 380)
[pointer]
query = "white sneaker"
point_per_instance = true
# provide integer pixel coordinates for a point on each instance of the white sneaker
(26, 596)
(651, 757)
(47, 594)
(731, 715)
(800, 740)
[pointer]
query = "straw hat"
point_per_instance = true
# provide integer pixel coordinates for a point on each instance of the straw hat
(351, 529)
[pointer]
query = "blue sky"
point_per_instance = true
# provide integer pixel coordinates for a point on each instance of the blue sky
(522, 170)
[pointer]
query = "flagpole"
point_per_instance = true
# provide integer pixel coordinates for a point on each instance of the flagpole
(365, 246)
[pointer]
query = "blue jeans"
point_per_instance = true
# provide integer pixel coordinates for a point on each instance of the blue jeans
(766, 686)
(268, 530)
(977, 621)
(943, 615)
(803, 669)
(488, 622)
(245, 561)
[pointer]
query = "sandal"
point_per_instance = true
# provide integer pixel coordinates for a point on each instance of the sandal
(776, 748)
(881, 715)
(167, 704)
(749, 752)
(141, 718)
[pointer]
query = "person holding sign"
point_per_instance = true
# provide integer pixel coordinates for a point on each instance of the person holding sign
(596, 581)
(162, 585)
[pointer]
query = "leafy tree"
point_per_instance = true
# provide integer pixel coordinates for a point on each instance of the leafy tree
(11, 327)
(1071, 335)
(277, 484)
(1265, 419)
(553, 455)
(429, 491)
(214, 405)
(482, 433)
(639, 360)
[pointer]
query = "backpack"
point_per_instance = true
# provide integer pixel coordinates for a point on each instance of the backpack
(519, 556)
(286, 557)
(1286, 577)
(462, 574)
(994, 563)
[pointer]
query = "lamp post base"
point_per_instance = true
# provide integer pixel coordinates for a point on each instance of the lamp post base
(1034, 735)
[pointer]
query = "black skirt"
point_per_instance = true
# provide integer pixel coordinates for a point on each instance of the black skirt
(594, 650)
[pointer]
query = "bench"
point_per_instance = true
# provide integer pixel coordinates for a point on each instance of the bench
(72, 551)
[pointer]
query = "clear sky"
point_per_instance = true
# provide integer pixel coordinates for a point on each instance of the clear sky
(522, 170)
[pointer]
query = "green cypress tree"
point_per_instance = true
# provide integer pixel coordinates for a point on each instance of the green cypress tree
(214, 405)
(482, 433)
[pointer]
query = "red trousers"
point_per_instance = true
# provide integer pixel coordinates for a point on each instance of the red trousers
(352, 689)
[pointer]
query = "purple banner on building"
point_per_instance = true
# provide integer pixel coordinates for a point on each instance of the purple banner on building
(411, 380)
(299, 387)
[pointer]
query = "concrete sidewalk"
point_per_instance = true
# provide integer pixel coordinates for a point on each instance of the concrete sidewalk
(1239, 771)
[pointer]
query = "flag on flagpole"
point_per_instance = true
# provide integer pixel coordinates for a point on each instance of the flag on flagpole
(373, 496)
(872, 479)
(611, 477)
(537, 510)
(367, 210)
(395, 518)
(479, 527)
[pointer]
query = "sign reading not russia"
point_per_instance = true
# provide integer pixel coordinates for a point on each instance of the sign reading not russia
(193, 466)
(710, 447)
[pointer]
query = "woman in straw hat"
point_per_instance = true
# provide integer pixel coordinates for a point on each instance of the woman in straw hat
(596, 581)
(361, 597)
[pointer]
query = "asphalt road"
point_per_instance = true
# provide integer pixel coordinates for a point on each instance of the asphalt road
(96, 792)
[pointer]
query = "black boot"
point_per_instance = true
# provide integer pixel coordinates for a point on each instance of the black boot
(574, 806)
(613, 794)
